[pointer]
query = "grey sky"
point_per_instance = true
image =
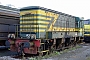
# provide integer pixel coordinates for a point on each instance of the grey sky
(80, 8)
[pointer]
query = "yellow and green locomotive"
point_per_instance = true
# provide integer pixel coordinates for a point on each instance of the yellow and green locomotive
(42, 29)
(86, 30)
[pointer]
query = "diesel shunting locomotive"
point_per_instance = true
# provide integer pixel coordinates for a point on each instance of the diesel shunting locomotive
(41, 30)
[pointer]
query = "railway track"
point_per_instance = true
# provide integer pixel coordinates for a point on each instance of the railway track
(16, 56)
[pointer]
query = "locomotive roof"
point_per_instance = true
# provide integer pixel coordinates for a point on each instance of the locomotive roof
(6, 10)
(38, 7)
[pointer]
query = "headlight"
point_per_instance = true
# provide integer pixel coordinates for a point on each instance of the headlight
(28, 36)
(31, 36)
(11, 36)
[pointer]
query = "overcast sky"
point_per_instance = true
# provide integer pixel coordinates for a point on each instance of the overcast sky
(80, 8)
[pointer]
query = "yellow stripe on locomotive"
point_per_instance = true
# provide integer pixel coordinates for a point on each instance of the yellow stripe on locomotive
(43, 21)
